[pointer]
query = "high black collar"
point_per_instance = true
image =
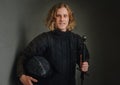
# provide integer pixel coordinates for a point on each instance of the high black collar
(61, 33)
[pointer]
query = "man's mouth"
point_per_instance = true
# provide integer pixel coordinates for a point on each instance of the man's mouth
(62, 23)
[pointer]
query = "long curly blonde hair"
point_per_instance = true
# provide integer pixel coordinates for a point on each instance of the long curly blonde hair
(50, 20)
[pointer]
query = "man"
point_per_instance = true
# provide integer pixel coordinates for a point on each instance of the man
(63, 53)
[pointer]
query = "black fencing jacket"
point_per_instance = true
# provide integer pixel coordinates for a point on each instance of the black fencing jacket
(62, 50)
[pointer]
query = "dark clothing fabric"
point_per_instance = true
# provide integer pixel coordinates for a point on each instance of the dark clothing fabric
(62, 50)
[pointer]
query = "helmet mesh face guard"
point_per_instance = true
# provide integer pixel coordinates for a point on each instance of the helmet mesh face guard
(38, 67)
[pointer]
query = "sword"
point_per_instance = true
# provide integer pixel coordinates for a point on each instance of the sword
(82, 58)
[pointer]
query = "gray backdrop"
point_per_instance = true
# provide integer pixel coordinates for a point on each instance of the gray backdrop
(22, 20)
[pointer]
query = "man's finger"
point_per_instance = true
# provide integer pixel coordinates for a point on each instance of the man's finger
(34, 80)
(30, 82)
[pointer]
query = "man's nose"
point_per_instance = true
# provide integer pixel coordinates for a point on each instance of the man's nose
(62, 18)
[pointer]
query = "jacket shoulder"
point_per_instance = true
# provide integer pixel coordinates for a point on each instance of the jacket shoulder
(75, 35)
(43, 35)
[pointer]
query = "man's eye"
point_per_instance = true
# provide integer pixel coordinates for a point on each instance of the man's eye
(57, 15)
(65, 15)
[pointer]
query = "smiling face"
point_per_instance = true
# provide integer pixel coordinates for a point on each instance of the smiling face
(62, 19)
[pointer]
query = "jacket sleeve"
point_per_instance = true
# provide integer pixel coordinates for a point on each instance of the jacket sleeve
(83, 53)
(36, 47)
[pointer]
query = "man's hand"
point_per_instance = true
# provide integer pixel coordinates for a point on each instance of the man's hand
(27, 80)
(84, 66)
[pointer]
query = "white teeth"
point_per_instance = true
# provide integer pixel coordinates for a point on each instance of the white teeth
(62, 23)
